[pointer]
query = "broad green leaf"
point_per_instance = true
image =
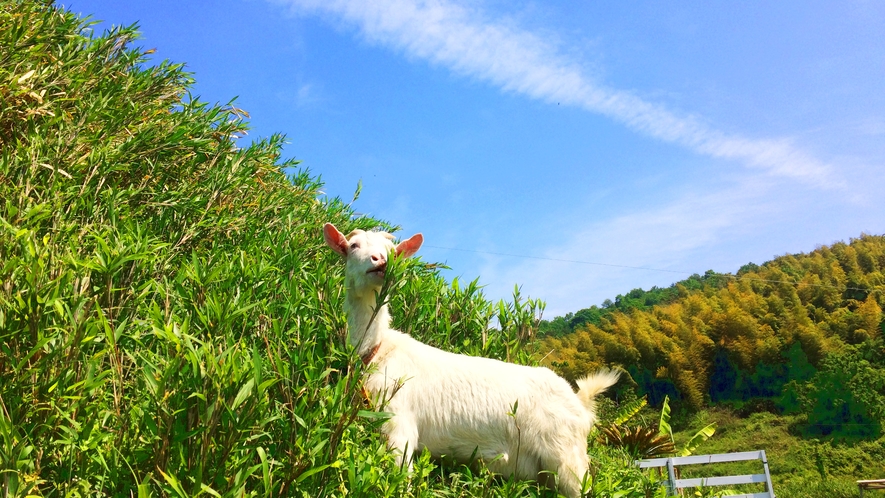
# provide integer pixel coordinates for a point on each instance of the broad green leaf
(244, 393)
(699, 437)
(664, 424)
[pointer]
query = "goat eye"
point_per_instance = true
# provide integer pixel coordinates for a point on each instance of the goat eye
(354, 245)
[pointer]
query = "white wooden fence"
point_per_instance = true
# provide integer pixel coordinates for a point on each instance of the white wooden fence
(673, 483)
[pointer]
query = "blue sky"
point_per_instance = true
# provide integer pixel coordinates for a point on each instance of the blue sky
(561, 146)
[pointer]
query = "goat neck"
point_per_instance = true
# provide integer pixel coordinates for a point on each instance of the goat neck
(365, 327)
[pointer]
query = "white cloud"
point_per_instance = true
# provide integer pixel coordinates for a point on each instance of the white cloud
(615, 250)
(467, 42)
(304, 96)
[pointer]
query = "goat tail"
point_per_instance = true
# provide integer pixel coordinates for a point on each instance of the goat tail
(595, 384)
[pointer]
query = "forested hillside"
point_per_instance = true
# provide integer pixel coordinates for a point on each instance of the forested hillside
(800, 333)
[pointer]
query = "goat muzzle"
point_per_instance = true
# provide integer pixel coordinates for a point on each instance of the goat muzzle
(379, 270)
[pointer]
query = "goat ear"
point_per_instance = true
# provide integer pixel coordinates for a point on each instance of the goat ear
(409, 246)
(335, 239)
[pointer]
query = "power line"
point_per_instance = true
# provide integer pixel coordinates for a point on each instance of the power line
(646, 268)
(557, 259)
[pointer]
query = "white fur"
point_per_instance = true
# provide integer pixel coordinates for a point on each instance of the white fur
(455, 405)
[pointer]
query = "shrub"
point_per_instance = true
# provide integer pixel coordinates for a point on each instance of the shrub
(846, 397)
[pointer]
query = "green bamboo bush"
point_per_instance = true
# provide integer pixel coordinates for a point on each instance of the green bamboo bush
(170, 320)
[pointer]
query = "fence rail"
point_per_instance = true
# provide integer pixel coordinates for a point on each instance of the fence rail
(673, 483)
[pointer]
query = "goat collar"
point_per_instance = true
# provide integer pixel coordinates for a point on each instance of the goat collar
(370, 354)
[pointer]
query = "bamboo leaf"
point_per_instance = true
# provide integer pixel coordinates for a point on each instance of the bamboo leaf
(307, 473)
(174, 484)
(206, 489)
(244, 393)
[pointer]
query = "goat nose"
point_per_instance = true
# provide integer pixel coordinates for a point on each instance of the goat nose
(376, 258)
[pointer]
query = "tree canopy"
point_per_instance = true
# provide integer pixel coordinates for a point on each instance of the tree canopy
(723, 337)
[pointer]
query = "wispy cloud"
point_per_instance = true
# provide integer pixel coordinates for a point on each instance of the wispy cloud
(657, 245)
(469, 42)
(303, 96)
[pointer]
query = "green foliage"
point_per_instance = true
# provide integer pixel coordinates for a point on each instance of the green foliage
(699, 437)
(635, 299)
(629, 410)
(638, 441)
(731, 339)
(613, 474)
(847, 396)
(644, 441)
(823, 488)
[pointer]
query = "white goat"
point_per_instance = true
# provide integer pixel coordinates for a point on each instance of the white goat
(461, 406)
